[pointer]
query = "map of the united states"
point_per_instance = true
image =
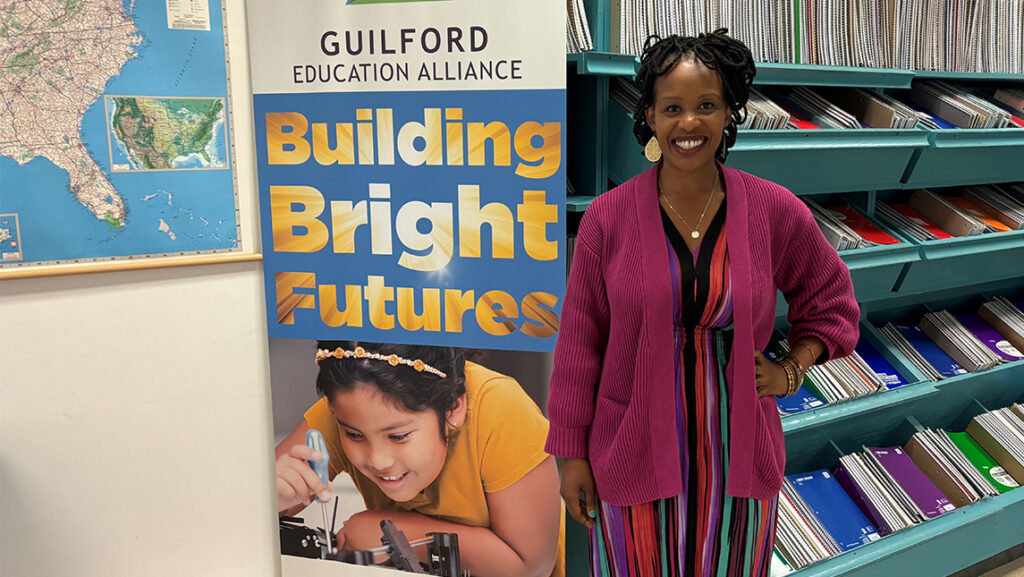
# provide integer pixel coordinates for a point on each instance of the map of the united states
(58, 58)
(114, 136)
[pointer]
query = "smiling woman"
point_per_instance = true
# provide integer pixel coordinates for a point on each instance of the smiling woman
(435, 444)
(660, 400)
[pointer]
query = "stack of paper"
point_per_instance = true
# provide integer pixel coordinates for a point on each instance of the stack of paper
(983, 462)
(845, 228)
(1001, 434)
(890, 488)
(958, 106)
(1007, 319)
(921, 351)
(947, 467)
(763, 114)
(577, 32)
(958, 342)
(908, 220)
(840, 379)
(999, 201)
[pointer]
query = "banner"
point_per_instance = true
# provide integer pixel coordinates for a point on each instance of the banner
(411, 171)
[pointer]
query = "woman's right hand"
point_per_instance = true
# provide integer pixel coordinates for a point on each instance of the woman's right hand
(578, 490)
(296, 481)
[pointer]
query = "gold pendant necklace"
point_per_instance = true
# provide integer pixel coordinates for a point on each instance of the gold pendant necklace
(696, 231)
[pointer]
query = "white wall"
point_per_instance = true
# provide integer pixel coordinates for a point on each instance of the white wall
(135, 433)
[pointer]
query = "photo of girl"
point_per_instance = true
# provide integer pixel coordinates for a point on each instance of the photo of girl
(435, 443)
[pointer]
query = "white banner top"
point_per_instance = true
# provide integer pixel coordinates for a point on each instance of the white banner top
(411, 45)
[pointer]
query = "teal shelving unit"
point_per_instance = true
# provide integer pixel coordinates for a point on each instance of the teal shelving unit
(898, 283)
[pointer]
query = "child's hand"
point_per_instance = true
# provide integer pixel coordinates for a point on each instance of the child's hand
(361, 531)
(296, 481)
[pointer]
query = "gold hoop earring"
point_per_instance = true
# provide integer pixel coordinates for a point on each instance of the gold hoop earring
(653, 150)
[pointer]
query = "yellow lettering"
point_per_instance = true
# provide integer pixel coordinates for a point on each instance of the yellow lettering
(283, 220)
(278, 138)
(456, 303)
(430, 319)
(287, 300)
(543, 322)
(377, 297)
(535, 214)
(351, 316)
(493, 305)
(472, 217)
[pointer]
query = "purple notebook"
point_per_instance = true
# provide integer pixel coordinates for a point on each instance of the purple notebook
(980, 328)
(908, 475)
(860, 497)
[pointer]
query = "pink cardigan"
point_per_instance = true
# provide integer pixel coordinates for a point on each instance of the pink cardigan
(611, 397)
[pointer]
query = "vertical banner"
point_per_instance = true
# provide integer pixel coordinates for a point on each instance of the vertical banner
(411, 178)
(411, 171)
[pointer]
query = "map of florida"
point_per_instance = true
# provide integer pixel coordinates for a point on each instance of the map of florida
(163, 132)
(55, 59)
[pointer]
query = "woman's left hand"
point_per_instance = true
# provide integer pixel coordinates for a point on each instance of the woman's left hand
(771, 378)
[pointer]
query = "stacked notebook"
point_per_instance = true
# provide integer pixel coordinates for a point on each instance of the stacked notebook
(910, 34)
(1001, 434)
(890, 488)
(908, 220)
(947, 466)
(842, 379)
(933, 216)
(763, 114)
(625, 92)
(796, 539)
(845, 228)
(958, 106)
(817, 519)
(1004, 203)
(577, 32)
(1007, 319)
(958, 342)
(983, 462)
(921, 351)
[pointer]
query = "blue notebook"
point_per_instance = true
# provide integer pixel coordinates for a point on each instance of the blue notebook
(834, 508)
(799, 401)
(931, 352)
(882, 368)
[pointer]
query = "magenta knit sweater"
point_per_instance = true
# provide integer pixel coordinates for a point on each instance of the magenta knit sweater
(611, 397)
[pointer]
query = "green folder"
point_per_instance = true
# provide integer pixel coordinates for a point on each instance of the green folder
(983, 462)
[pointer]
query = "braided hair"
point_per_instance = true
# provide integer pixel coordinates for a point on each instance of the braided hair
(728, 56)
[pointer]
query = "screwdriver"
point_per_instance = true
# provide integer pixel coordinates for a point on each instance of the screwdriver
(315, 440)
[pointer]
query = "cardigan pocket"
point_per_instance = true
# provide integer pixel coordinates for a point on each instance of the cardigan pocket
(769, 446)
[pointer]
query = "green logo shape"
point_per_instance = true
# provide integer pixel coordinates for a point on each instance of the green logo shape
(388, 1)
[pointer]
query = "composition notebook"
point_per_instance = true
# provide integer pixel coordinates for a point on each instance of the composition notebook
(841, 517)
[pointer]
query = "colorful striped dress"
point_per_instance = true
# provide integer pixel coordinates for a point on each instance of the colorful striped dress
(702, 531)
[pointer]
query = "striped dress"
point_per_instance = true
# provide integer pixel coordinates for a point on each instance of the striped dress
(702, 531)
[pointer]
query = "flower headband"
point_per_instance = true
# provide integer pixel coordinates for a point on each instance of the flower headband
(393, 360)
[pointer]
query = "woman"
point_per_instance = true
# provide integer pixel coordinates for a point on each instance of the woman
(660, 402)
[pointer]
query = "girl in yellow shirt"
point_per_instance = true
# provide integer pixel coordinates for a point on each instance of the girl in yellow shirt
(436, 444)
